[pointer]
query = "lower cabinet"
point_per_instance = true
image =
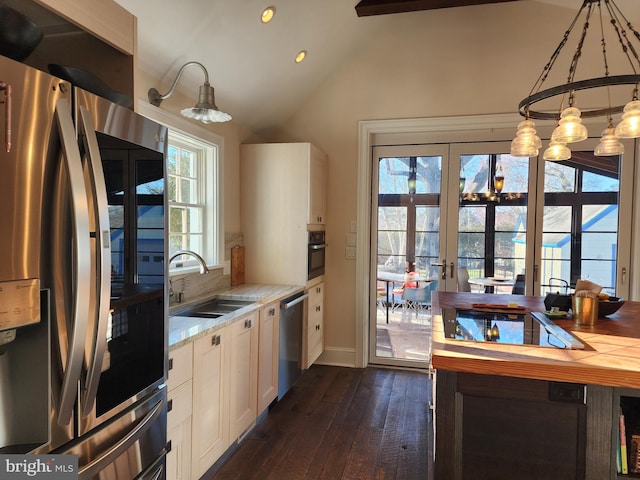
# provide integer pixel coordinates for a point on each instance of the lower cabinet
(314, 326)
(217, 385)
(179, 385)
(504, 427)
(243, 381)
(210, 432)
(268, 348)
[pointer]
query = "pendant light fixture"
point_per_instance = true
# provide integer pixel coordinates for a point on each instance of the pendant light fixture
(570, 128)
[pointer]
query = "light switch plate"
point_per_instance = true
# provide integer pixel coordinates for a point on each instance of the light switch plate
(350, 253)
(350, 239)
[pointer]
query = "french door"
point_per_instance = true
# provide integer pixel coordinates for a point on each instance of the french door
(407, 205)
(439, 207)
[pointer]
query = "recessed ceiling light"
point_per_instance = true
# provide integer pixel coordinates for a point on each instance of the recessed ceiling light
(267, 14)
(301, 56)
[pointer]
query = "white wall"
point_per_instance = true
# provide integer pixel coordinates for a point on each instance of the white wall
(449, 62)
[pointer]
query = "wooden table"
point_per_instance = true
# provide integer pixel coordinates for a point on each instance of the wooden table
(489, 283)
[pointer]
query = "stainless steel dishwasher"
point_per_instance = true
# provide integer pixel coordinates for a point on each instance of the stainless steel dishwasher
(290, 354)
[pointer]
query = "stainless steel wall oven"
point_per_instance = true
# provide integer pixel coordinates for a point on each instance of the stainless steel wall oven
(316, 254)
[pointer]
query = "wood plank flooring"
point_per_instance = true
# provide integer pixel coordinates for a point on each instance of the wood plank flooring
(342, 423)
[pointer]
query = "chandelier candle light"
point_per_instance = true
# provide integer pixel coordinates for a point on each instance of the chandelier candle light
(570, 128)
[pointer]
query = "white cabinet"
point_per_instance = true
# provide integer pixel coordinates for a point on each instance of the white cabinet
(283, 191)
(268, 345)
(243, 382)
(315, 324)
(179, 385)
(210, 432)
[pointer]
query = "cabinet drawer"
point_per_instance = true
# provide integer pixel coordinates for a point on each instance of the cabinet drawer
(180, 365)
(180, 400)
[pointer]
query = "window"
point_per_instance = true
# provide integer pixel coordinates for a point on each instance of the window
(194, 222)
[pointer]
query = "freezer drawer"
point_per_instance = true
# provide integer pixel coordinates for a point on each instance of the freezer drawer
(129, 446)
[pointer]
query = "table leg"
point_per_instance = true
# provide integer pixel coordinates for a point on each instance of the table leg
(387, 301)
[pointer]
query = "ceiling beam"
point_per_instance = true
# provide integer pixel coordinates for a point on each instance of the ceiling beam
(366, 8)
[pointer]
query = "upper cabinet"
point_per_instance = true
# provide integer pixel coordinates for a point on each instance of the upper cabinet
(317, 186)
(282, 197)
(98, 36)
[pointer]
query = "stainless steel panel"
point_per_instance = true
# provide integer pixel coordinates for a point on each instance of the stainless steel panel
(33, 98)
(127, 445)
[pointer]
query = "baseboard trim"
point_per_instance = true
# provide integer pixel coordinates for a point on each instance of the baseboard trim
(338, 357)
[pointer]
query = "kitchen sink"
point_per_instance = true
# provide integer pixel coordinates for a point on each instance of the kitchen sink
(216, 308)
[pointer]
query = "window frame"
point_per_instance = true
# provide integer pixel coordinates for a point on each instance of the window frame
(212, 169)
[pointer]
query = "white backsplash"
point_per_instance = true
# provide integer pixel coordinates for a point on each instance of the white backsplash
(194, 285)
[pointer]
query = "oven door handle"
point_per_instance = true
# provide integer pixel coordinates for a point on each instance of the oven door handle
(318, 246)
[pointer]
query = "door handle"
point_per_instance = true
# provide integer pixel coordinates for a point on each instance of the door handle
(451, 266)
(443, 267)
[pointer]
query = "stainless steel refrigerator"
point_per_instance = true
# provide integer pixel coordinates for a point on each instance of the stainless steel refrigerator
(83, 306)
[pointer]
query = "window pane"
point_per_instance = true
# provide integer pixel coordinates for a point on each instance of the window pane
(516, 173)
(188, 164)
(558, 177)
(393, 175)
(475, 170)
(172, 160)
(557, 219)
(428, 174)
(188, 191)
(593, 182)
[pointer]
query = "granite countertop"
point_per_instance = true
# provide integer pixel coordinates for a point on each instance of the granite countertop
(183, 329)
(611, 355)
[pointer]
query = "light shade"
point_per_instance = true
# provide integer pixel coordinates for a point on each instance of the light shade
(205, 110)
(526, 143)
(570, 128)
(629, 127)
(609, 144)
(557, 151)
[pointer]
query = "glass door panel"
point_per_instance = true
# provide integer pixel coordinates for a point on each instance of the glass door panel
(407, 238)
(582, 227)
(492, 222)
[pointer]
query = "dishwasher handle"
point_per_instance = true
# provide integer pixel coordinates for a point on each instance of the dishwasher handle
(293, 302)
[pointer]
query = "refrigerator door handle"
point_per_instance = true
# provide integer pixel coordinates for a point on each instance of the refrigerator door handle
(113, 452)
(99, 315)
(72, 332)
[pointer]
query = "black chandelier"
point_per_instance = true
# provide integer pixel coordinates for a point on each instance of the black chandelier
(570, 128)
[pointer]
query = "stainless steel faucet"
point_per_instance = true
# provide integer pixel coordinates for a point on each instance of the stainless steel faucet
(201, 261)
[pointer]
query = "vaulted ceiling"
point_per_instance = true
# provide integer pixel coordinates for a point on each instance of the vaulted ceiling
(251, 65)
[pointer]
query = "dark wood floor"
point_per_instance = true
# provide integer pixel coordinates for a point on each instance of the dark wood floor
(342, 423)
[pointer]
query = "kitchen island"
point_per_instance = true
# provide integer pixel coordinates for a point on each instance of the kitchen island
(526, 411)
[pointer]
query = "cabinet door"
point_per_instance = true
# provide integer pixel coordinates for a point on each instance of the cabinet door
(268, 345)
(244, 374)
(210, 430)
(315, 343)
(179, 432)
(180, 366)
(317, 186)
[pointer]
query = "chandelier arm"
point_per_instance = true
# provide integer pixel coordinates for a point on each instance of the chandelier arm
(554, 56)
(182, 69)
(623, 39)
(525, 105)
(576, 56)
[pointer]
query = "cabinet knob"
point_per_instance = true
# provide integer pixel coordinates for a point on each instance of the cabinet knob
(169, 405)
(318, 308)
(215, 340)
(171, 364)
(272, 312)
(247, 323)
(317, 328)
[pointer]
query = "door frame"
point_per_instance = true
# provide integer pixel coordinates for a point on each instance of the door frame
(475, 128)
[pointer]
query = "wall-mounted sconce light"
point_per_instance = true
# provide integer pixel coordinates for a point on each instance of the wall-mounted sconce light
(205, 110)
